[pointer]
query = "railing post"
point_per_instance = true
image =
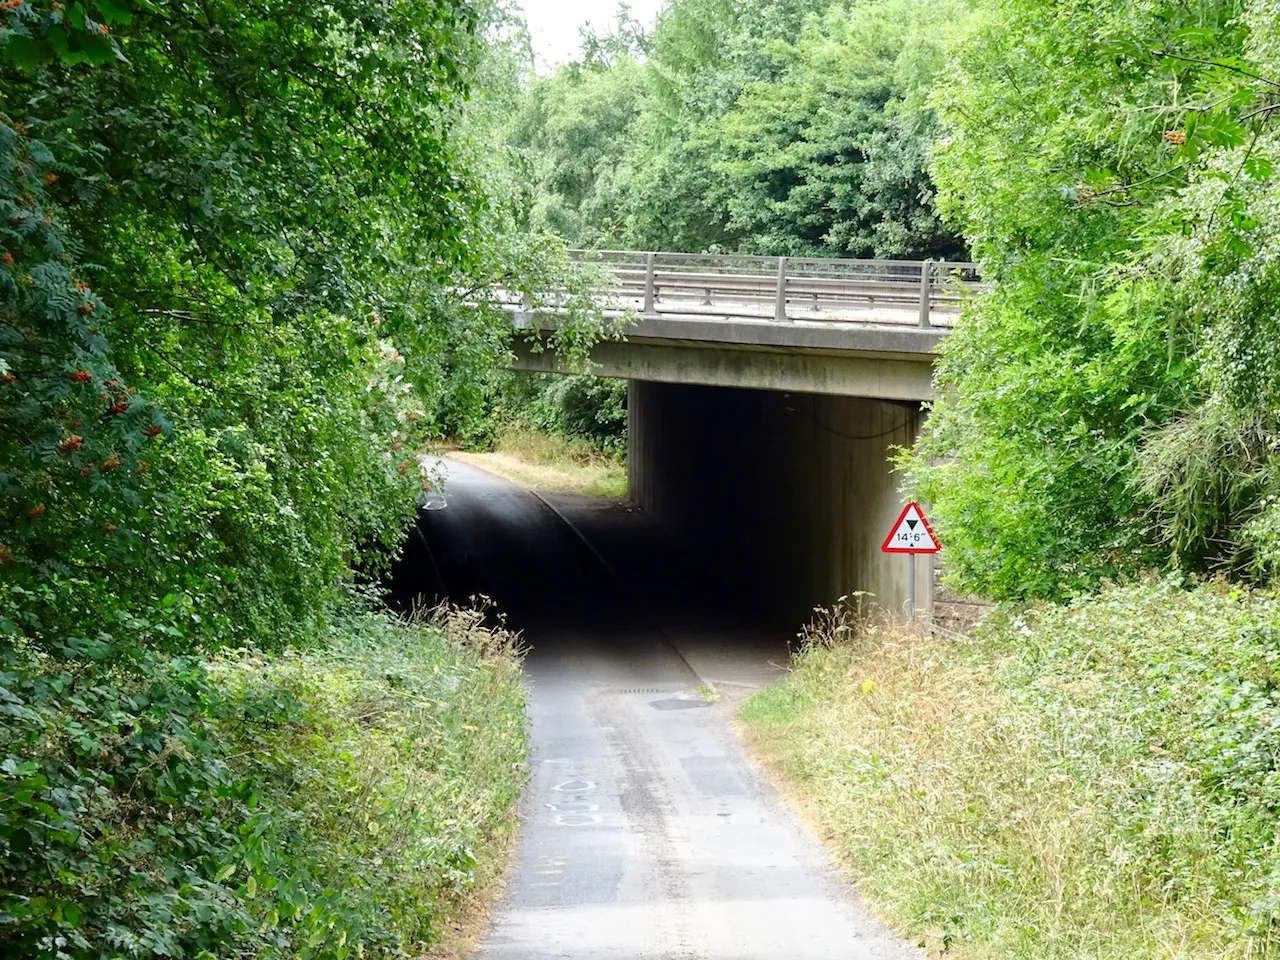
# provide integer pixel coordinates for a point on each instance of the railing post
(780, 301)
(926, 295)
(649, 259)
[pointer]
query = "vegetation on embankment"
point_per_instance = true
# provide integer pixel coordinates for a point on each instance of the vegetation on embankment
(551, 462)
(1092, 780)
(329, 801)
(550, 432)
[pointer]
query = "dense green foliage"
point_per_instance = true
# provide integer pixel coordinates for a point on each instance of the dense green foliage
(202, 395)
(318, 804)
(791, 126)
(1091, 780)
(245, 261)
(586, 408)
(1112, 402)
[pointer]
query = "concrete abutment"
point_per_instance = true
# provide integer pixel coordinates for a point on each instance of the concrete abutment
(789, 495)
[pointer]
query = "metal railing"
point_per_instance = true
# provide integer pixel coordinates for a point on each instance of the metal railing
(786, 289)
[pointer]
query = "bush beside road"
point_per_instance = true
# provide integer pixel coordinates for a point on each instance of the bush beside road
(339, 800)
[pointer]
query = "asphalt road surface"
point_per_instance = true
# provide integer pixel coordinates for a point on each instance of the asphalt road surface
(646, 832)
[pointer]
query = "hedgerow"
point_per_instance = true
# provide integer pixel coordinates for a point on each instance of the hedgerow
(231, 243)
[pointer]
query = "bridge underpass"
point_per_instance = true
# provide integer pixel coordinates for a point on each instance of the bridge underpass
(765, 399)
(790, 494)
(646, 831)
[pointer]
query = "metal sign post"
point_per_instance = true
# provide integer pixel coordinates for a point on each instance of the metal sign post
(911, 587)
(911, 534)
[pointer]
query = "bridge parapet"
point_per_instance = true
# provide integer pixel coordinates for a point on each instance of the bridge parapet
(919, 293)
(853, 328)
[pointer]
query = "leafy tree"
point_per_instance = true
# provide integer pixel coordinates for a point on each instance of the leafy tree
(245, 249)
(793, 126)
(1111, 402)
(830, 157)
(572, 131)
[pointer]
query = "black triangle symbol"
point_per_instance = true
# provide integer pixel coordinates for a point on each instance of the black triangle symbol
(912, 523)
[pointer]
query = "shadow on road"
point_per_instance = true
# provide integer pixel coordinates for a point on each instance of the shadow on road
(570, 571)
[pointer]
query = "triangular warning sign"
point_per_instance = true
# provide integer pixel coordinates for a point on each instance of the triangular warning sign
(911, 533)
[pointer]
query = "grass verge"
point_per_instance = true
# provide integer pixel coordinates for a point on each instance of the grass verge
(401, 761)
(1099, 780)
(547, 462)
(348, 799)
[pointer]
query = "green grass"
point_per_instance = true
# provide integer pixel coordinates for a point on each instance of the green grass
(1100, 780)
(398, 770)
(553, 463)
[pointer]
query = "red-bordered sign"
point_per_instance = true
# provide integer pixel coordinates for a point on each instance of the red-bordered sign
(911, 533)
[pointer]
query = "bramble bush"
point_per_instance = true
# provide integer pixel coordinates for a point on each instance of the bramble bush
(231, 242)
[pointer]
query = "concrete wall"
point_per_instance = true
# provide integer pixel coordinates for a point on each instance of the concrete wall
(789, 494)
(845, 373)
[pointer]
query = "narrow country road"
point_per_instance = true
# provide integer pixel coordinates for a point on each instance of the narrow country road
(646, 832)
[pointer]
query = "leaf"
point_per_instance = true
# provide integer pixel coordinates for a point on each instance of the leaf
(114, 12)
(1257, 167)
(25, 50)
(224, 873)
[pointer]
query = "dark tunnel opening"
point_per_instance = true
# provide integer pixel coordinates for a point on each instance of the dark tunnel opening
(747, 509)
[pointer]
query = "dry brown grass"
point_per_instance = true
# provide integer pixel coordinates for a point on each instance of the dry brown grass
(974, 823)
(554, 464)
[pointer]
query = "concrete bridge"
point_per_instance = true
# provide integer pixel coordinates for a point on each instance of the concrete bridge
(766, 397)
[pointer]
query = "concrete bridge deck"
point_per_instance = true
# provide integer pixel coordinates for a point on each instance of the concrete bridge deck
(854, 328)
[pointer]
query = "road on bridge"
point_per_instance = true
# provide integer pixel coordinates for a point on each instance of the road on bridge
(646, 832)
